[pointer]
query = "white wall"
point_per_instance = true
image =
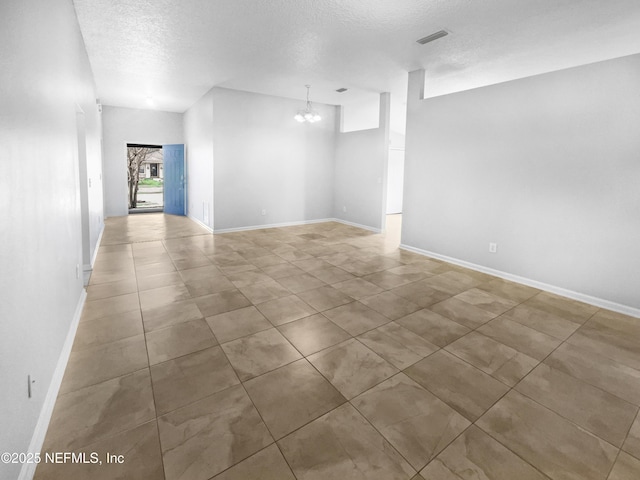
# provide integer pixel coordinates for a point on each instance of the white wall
(127, 125)
(395, 181)
(45, 73)
(547, 167)
(363, 114)
(265, 160)
(360, 172)
(198, 133)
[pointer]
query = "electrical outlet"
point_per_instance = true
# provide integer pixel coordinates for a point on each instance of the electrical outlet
(77, 270)
(344, 209)
(493, 248)
(264, 212)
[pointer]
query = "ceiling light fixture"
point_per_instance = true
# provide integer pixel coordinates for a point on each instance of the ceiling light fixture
(432, 37)
(308, 114)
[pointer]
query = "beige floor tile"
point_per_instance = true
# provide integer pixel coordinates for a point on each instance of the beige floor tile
(293, 255)
(325, 298)
(351, 367)
(486, 301)
(194, 261)
(498, 360)
(550, 443)
(159, 297)
(253, 252)
(579, 403)
(172, 314)
(140, 447)
(106, 290)
(311, 264)
(420, 294)
(208, 286)
(612, 335)
(267, 464)
(390, 305)
(475, 454)
(632, 443)
(208, 436)
(248, 277)
(286, 309)
(108, 329)
(462, 312)
(200, 273)
(104, 307)
(355, 318)
(397, 345)
(413, 420)
(506, 289)
(388, 280)
(153, 269)
(98, 277)
(268, 260)
(300, 283)
(343, 445)
(281, 270)
(221, 302)
(466, 389)
(292, 396)
(563, 307)
(433, 327)
(313, 333)
(625, 468)
(542, 321)
(451, 282)
(237, 323)
(524, 339)
(91, 414)
(192, 377)
(597, 370)
(595, 410)
(358, 288)
(161, 280)
(332, 275)
(229, 259)
(102, 362)
(259, 353)
(177, 340)
(265, 291)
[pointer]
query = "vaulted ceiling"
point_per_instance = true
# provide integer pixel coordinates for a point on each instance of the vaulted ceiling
(176, 50)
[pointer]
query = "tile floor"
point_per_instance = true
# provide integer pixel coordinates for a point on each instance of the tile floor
(325, 352)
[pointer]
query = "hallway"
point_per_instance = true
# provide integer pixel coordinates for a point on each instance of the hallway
(324, 351)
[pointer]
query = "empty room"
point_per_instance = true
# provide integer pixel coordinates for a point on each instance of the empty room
(384, 240)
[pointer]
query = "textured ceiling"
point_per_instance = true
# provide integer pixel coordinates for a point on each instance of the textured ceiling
(176, 50)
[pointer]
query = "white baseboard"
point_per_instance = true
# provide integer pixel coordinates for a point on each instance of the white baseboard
(37, 439)
(201, 223)
(358, 225)
(581, 297)
(274, 225)
(95, 252)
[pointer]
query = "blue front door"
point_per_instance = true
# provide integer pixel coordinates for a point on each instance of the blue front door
(174, 191)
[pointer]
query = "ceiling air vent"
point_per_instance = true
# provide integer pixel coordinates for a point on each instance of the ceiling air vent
(432, 37)
(341, 90)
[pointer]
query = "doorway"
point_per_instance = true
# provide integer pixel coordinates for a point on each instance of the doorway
(395, 191)
(145, 178)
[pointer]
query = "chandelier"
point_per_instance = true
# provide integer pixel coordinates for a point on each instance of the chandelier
(308, 114)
